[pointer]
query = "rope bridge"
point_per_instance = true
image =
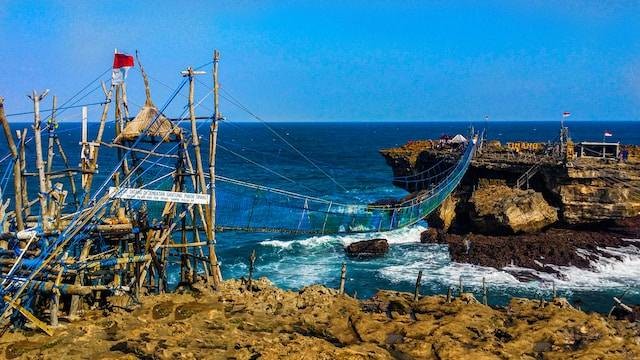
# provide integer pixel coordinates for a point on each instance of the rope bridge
(249, 207)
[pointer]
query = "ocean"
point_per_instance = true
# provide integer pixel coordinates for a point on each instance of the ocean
(353, 171)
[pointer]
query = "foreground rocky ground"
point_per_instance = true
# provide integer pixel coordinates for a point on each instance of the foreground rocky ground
(317, 323)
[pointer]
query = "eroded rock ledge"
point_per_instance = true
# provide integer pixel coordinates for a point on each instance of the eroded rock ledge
(317, 323)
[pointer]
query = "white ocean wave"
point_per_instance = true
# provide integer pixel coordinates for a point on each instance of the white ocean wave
(606, 273)
(400, 236)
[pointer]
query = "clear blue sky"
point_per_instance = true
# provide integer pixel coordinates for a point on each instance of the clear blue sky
(344, 60)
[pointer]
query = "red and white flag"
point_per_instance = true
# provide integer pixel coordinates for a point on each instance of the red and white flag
(566, 114)
(121, 65)
(608, 133)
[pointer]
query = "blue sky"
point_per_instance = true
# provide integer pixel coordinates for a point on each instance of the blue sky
(343, 60)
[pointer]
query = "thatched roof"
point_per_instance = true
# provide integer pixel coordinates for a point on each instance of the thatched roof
(162, 127)
(147, 118)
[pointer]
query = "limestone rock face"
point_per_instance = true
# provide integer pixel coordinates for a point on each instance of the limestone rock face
(595, 194)
(501, 209)
(443, 216)
(368, 248)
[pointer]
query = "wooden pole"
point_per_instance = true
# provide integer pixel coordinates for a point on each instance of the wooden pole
(22, 137)
(201, 182)
(50, 139)
(17, 174)
(42, 180)
(553, 284)
(484, 292)
(252, 260)
(55, 299)
(72, 180)
(343, 277)
(416, 294)
(94, 161)
(449, 294)
(460, 286)
(213, 139)
(75, 300)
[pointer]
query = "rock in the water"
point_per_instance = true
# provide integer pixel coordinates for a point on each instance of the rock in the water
(433, 236)
(368, 248)
(501, 209)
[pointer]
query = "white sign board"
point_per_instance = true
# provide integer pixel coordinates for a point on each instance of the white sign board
(158, 195)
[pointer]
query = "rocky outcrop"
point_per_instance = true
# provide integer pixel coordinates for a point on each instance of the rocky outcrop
(499, 209)
(367, 248)
(585, 191)
(318, 323)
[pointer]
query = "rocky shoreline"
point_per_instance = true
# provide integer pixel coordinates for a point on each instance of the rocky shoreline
(560, 247)
(318, 323)
(571, 213)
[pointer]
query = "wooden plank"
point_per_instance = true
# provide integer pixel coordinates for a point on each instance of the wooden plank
(37, 322)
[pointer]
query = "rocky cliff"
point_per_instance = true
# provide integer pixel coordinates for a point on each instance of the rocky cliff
(585, 191)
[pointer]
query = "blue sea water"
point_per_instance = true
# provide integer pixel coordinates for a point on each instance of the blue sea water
(348, 153)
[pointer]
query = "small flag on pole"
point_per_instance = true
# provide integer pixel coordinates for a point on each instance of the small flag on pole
(121, 65)
(566, 114)
(608, 133)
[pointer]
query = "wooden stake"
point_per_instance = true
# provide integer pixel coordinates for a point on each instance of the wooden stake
(42, 180)
(252, 260)
(17, 174)
(449, 294)
(343, 278)
(460, 286)
(484, 292)
(553, 284)
(416, 293)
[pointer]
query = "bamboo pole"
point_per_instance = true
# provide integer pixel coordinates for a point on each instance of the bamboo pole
(416, 294)
(213, 139)
(23, 168)
(343, 278)
(72, 180)
(55, 299)
(195, 142)
(484, 292)
(252, 260)
(98, 140)
(75, 299)
(50, 140)
(42, 180)
(17, 174)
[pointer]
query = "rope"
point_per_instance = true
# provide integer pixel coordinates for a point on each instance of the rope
(237, 103)
(263, 167)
